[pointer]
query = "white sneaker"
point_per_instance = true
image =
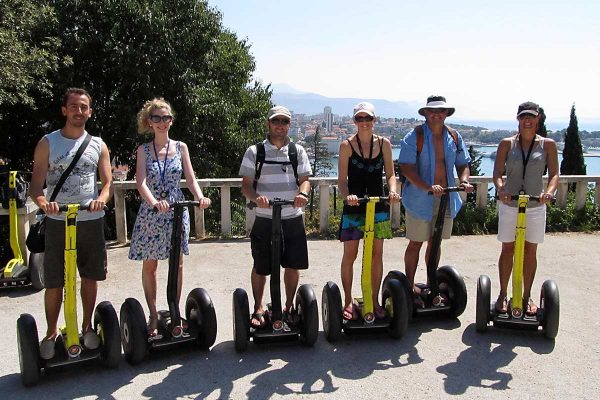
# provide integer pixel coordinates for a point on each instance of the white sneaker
(47, 349)
(91, 340)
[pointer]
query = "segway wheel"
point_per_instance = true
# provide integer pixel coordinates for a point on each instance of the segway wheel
(550, 303)
(394, 298)
(457, 291)
(29, 350)
(482, 308)
(106, 325)
(306, 305)
(36, 270)
(200, 313)
(134, 333)
(331, 309)
(241, 320)
(408, 292)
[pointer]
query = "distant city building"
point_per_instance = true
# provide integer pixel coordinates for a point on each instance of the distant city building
(332, 143)
(328, 118)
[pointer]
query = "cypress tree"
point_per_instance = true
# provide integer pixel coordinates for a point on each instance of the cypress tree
(572, 162)
(541, 130)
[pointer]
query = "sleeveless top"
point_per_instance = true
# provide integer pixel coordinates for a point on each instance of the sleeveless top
(365, 177)
(534, 170)
(80, 186)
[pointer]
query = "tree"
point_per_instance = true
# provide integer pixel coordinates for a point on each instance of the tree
(474, 169)
(541, 130)
(27, 58)
(322, 163)
(573, 161)
(126, 52)
(475, 165)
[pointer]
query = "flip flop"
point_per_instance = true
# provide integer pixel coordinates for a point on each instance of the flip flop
(530, 308)
(418, 301)
(504, 305)
(259, 317)
(291, 316)
(348, 314)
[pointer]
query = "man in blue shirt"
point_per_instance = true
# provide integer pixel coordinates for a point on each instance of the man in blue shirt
(428, 167)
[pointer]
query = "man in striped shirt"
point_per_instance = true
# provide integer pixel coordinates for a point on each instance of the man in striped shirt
(277, 179)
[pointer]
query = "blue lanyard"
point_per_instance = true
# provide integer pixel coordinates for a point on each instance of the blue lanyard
(162, 171)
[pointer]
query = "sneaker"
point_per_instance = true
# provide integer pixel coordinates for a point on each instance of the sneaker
(47, 348)
(91, 340)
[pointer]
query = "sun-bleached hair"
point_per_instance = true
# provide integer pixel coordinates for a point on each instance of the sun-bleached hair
(146, 111)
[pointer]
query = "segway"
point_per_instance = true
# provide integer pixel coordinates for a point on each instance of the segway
(275, 328)
(445, 292)
(15, 272)
(69, 349)
(200, 314)
(547, 316)
(393, 297)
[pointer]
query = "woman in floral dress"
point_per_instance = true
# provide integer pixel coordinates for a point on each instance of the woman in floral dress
(160, 164)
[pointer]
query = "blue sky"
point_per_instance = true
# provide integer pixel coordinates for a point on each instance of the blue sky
(485, 57)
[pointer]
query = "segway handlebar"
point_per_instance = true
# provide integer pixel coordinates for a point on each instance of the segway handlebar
(65, 207)
(516, 197)
(17, 171)
(451, 189)
(184, 203)
(276, 201)
(366, 199)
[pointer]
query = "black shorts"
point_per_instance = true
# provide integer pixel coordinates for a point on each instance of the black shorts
(91, 251)
(294, 252)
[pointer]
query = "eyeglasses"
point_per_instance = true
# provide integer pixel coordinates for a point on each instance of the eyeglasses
(163, 118)
(279, 121)
(366, 118)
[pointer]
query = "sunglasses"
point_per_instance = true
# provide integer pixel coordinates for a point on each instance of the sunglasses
(279, 121)
(366, 118)
(158, 118)
(437, 110)
(527, 116)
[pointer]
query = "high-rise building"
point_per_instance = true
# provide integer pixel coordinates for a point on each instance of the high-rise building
(328, 118)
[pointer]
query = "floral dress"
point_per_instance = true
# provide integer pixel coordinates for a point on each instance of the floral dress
(151, 237)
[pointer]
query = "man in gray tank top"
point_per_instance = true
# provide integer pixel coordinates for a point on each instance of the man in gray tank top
(53, 154)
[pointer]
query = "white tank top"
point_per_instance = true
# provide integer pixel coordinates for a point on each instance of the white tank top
(80, 186)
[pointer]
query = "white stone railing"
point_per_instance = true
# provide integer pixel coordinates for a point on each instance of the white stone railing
(324, 185)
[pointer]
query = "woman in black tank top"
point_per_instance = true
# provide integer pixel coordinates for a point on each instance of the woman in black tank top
(363, 159)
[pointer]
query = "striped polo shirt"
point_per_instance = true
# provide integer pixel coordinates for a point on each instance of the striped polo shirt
(276, 180)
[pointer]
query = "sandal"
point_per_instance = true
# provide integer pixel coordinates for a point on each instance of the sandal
(380, 312)
(291, 316)
(350, 313)
(530, 308)
(153, 331)
(258, 320)
(501, 305)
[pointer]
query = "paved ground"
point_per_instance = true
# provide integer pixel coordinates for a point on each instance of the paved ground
(436, 359)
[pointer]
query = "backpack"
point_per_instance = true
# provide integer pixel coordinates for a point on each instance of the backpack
(420, 138)
(260, 160)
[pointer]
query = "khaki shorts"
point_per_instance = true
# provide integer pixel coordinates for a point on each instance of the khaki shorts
(419, 230)
(91, 251)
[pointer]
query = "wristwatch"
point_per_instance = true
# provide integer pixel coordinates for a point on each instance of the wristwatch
(303, 194)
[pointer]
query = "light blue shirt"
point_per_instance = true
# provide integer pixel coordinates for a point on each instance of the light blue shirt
(416, 201)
